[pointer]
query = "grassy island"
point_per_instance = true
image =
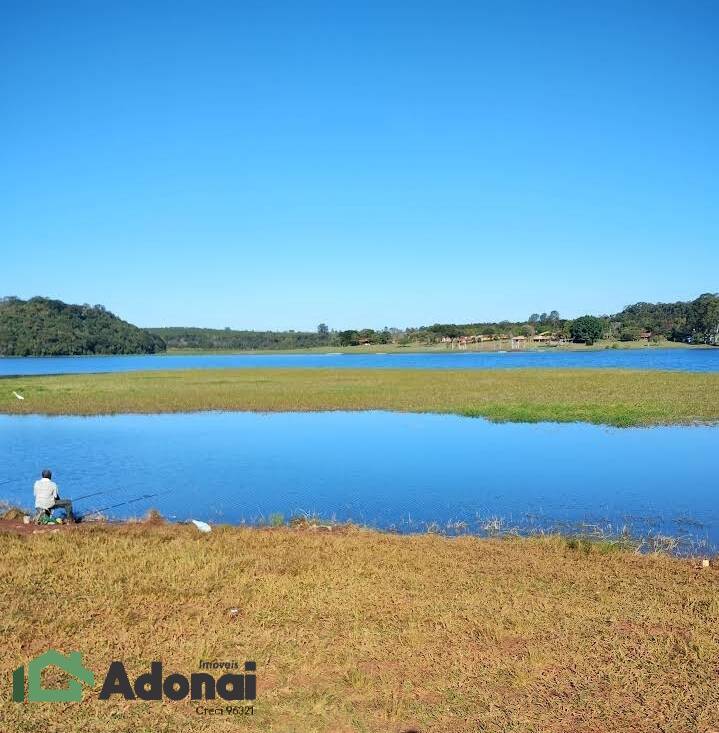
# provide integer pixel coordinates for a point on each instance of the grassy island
(605, 396)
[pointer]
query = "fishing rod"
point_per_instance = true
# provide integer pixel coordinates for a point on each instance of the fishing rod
(130, 501)
(98, 493)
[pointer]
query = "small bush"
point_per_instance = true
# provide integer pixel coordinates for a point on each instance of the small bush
(580, 544)
(153, 517)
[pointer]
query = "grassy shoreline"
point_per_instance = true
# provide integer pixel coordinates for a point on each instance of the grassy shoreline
(600, 396)
(417, 348)
(362, 631)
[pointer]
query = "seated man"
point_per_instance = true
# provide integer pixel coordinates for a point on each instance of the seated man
(47, 498)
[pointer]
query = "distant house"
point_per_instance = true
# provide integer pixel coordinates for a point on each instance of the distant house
(519, 342)
(365, 342)
(542, 338)
(645, 335)
(477, 339)
(462, 341)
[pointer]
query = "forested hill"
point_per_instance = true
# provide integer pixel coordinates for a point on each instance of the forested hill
(44, 327)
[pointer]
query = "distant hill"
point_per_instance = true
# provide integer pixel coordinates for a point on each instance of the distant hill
(696, 320)
(44, 327)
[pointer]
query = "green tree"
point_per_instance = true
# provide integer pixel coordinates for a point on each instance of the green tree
(348, 338)
(587, 329)
(384, 336)
(703, 319)
(629, 333)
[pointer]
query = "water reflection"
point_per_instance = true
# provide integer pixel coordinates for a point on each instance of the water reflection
(693, 360)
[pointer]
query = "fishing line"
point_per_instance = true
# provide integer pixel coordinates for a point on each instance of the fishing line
(97, 493)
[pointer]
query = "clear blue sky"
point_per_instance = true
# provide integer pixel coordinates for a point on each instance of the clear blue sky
(274, 165)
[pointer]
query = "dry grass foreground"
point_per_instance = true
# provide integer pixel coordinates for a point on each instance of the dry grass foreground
(361, 631)
(613, 397)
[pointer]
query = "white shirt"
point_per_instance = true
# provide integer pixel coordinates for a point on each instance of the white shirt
(45, 493)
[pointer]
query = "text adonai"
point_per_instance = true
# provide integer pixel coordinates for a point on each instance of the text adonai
(153, 685)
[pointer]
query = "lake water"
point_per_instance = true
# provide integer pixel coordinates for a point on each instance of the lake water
(691, 359)
(396, 471)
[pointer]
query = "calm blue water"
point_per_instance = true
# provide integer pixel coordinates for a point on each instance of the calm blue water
(691, 360)
(387, 470)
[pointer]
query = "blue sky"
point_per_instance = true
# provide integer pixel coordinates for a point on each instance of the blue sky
(274, 165)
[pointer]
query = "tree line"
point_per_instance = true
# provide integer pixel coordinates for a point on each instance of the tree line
(695, 321)
(45, 327)
(178, 337)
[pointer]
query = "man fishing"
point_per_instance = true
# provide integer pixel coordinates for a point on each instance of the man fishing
(47, 498)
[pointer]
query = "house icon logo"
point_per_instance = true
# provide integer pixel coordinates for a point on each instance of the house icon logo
(71, 663)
